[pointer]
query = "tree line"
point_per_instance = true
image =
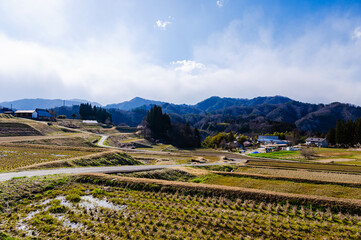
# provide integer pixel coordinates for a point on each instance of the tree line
(225, 140)
(158, 127)
(89, 112)
(346, 134)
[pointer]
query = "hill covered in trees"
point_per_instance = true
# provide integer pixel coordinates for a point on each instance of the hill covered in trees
(257, 115)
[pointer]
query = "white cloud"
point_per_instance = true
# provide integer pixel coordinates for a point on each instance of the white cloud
(220, 3)
(243, 60)
(163, 24)
(42, 19)
(357, 33)
(187, 66)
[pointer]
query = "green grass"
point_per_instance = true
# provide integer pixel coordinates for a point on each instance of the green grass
(108, 159)
(320, 153)
(290, 155)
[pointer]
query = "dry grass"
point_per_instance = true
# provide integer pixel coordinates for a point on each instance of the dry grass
(13, 157)
(193, 171)
(83, 141)
(312, 175)
(302, 165)
(108, 158)
(288, 178)
(226, 191)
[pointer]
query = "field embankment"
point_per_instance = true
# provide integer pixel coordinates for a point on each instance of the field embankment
(107, 158)
(351, 205)
(12, 129)
(291, 179)
(331, 167)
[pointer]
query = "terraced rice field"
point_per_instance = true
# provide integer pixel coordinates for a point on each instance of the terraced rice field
(82, 210)
(12, 157)
(8, 129)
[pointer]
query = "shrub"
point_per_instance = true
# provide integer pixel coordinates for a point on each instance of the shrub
(73, 197)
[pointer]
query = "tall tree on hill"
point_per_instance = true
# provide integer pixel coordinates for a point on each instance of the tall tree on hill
(357, 133)
(86, 111)
(331, 136)
(348, 134)
(339, 131)
(158, 122)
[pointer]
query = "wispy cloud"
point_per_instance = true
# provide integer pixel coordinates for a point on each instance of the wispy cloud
(220, 3)
(163, 24)
(357, 33)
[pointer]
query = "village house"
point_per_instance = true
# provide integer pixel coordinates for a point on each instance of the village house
(318, 142)
(6, 111)
(39, 114)
(271, 140)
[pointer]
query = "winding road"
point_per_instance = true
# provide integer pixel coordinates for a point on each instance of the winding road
(101, 143)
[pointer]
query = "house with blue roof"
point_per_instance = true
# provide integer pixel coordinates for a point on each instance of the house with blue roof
(39, 114)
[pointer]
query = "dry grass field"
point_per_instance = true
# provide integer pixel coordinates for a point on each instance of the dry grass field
(102, 207)
(19, 155)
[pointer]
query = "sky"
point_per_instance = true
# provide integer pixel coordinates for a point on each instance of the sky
(180, 51)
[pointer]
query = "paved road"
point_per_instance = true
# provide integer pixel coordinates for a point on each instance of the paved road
(117, 169)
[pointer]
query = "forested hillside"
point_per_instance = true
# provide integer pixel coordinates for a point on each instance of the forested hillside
(257, 115)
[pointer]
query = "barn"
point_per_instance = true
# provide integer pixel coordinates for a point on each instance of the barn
(39, 114)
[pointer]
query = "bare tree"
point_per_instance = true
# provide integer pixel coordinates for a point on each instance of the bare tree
(307, 152)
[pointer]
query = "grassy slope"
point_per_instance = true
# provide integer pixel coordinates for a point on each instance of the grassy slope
(74, 141)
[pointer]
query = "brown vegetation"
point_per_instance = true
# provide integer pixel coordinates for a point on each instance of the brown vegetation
(225, 191)
(9, 129)
(293, 179)
(303, 165)
(108, 158)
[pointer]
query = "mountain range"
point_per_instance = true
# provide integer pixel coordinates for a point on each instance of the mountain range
(256, 115)
(31, 103)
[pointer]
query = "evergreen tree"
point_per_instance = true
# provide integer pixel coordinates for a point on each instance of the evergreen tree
(331, 136)
(158, 122)
(339, 131)
(198, 138)
(357, 132)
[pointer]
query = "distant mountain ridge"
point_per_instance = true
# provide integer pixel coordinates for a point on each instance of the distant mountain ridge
(260, 114)
(31, 103)
(256, 115)
(133, 103)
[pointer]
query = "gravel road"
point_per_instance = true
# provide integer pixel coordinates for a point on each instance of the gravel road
(117, 169)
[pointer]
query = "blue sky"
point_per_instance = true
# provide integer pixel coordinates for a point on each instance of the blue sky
(180, 51)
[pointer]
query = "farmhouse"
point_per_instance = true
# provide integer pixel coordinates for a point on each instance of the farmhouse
(271, 140)
(319, 142)
(6, 111)
(25, 113)
(40, 114)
